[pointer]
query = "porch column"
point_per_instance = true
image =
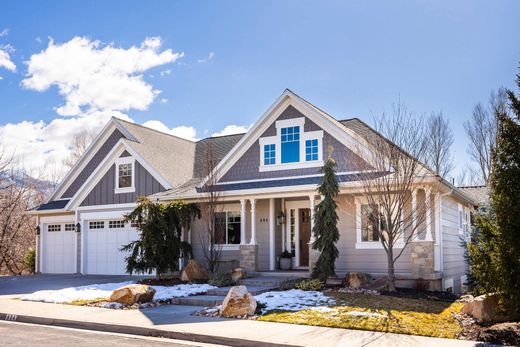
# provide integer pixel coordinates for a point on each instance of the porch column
(428, 215)
(253, 221)
(272, 218)
(414, 213)
(311, 205)
(243, 203)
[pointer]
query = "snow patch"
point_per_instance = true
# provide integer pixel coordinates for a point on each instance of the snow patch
(293, 300)
(180, 291)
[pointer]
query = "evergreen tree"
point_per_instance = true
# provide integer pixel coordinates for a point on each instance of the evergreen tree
(495, 256)
(159, 246)
(325, 223)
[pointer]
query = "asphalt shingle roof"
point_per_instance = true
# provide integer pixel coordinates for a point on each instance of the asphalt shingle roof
(480, 194)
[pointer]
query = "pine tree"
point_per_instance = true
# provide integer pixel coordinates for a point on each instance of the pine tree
(325, 223)
(160, 228)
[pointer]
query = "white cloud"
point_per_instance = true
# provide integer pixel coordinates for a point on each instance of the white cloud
(92, 76)
(5, 58)
(163, 100)
(165, 72)
(186, 132)
(4, 32)
(232, 129)
(208, 58)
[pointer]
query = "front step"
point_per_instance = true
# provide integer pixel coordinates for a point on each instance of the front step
(254, 290)
(200, 300)
(266, 281)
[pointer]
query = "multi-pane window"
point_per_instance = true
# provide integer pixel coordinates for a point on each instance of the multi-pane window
(311, 150)
(371, 223)
(96, 225)
(269, 154)
(227, 228)
(124, 175)
(290, 139)
(70, 227)
(113, 224)
(292, 221)
(53, 227)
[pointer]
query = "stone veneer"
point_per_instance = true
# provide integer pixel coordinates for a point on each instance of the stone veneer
(248, 257)
(421, 257)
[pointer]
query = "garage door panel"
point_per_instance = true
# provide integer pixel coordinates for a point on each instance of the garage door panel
(59, 249)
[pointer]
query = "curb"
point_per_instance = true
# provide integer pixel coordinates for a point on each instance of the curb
(134, 330)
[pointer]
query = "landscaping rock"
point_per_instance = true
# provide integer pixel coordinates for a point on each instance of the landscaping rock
(378, 284)
(238, 302)
(484, 309)
(238, 274)
(194, 272)
(355, 280)
(133, 294)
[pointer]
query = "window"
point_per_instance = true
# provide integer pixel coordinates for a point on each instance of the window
(269, 154)
(116, 224)
(227, 228)
(290, 139)
(96, 225)
(53, 227)
(370, 223)
(311, 150)
(70, 227)
(461, 219)
(125, 175)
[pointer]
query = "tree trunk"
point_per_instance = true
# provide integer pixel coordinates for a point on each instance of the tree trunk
(391, 270)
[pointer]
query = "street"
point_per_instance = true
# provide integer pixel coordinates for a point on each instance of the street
(22, 334)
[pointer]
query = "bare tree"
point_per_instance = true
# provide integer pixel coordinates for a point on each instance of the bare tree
(438, 154)
(481, 131)
(389, 210)
(467, 176)
(211, 207)
(53, 171)
(80, 142)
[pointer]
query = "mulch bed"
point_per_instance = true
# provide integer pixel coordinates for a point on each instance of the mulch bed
(421, 294)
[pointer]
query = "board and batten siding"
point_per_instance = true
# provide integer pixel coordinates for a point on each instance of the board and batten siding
(104, 191)
(454, 265)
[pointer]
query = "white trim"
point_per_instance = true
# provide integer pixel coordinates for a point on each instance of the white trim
(447, 283)
(293, 177)
(460, 218)
(105, 207)
(228, 247)
(151, 170)
(292, 122)
(290, 166)
(272, 226)
(57, 219)
(122, 161)
(103, 215)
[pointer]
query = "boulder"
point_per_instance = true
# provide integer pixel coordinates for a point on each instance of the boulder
(132, 294)
(355, 280)
(194, 272)
(238, 302)
(237, 274)
(484, 309)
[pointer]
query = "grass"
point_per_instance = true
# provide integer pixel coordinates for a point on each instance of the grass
(83, 302)
(399, 315)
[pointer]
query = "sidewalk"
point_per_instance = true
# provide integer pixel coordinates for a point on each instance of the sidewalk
(175, 321)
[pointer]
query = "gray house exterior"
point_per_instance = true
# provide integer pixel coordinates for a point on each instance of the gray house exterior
(267, 181)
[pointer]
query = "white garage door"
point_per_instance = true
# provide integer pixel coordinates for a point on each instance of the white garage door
(104, 241)
(59, 248)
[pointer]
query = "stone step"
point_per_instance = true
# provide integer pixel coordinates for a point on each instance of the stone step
(200, 300)
(254, 290)
(265, 281)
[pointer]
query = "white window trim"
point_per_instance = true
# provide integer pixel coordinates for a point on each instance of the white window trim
(360, 244)
(120, 161)
(460, 218)
(276, 140)
(229, 246)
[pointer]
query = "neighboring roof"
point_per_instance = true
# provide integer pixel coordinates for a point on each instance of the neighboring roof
(53, 205)
(164, 152)
(212, 149)
(480, 194)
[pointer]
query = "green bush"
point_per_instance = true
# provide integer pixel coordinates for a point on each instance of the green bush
(309, 285)
(220, 279)
(29, 261)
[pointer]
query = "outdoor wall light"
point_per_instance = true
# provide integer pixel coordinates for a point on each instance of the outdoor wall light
(78, 227)
(280, 219)
(37, 230)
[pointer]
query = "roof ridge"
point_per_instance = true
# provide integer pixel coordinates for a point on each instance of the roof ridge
(152, 129)
(219, 136)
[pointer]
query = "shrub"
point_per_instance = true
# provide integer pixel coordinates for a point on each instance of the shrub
(220, 279)
(289, 284)
(308, 285)
(29, 261)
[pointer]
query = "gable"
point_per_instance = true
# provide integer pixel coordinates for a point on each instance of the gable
(92, 164)
(103, 192)
(247, 167)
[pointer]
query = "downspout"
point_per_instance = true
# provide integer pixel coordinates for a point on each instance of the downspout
(441, 238)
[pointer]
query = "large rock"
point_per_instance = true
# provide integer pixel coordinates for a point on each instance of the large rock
(132, 294)
(194, 272)
(237, 274)
(484, 308)
(355, 280)
(238, 302)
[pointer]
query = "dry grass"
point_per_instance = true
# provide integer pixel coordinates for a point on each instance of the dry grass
(83, 302)
(398, 315)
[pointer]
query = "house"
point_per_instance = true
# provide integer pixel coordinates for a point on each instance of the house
(267, 181)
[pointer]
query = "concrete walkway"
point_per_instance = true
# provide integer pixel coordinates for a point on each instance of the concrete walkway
(175, 321)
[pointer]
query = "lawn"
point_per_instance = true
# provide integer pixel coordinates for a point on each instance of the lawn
(379, 313)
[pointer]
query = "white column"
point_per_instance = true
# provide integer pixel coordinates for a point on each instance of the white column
(428, 215)
(288, 231)
(311, 205)
(243, 224)
(253, 221)
(414, 213)
(283, 224)
(272, 218)
(181, 259)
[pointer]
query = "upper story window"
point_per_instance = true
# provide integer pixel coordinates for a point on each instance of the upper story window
(125, 175)
(292, 147)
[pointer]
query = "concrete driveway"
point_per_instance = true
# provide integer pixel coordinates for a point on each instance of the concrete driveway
(16, 285)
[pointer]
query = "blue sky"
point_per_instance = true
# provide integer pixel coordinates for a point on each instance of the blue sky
(351, 58)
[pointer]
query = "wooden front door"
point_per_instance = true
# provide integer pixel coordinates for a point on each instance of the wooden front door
(305, 235)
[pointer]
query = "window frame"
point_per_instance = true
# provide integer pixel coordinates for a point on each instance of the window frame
(124, 161)
(269, 154)
(230, 246)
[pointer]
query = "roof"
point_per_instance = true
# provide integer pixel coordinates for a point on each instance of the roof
(53, 205)
(480, 194)
(212, 149)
